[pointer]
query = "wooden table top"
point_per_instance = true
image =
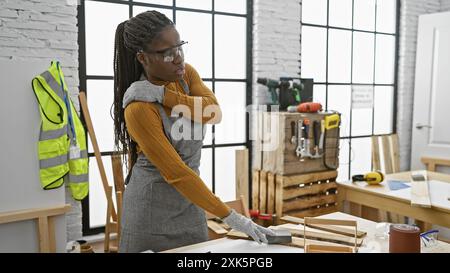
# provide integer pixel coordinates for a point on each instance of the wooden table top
(372, 242)
(439, 188)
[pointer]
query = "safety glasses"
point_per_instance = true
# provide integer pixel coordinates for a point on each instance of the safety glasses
(169, 54)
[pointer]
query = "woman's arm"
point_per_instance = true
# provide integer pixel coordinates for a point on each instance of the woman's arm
(144, 126)
(198, 91)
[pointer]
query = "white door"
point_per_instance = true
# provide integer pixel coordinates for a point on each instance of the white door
(431, 121)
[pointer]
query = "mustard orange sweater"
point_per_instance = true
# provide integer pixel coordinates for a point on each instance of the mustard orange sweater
(145, 127)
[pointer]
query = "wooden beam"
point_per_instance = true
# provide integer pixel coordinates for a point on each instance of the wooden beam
(214, 226)
(376, 165)
(307, 178)
(43, 231)
(263, 192)
(270, 193)
(255, 189)
(296, 242)
(242, 186)
(308, 202)
(29, 214)
(387, 155)
(395, 155)
(432, 162)
(290, 193)
(101, 167)
(333, 229)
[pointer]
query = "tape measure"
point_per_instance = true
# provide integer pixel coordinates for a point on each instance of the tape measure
(372, 178)
(332, 121)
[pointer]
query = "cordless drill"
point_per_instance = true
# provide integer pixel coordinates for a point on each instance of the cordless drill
(273, 85)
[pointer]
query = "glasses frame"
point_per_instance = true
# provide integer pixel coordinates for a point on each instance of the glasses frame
(163, 52)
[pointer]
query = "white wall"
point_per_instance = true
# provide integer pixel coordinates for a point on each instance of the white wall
(410, 11)
(44, 30)
(276, 43)
(445, 5)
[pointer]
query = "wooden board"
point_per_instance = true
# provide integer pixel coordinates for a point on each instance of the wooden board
(313, 212)
(262, 192)
(386, 154)
(316, 234)
(270, 193)
(334, 229)
(296, 241)
(242, 175)
(309, 202)
(255, 189)
(307, 178)
(216, 227)
(420, 195)
(308, 189)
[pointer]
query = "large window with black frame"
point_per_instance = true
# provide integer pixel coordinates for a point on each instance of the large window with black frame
(353, 45)
(219, 39)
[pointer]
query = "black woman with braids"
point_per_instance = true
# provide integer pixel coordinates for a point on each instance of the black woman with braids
(155, 95)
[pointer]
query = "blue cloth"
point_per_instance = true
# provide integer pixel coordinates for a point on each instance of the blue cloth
(395, 185)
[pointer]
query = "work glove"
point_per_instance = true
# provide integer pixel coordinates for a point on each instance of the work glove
(143, 91)
(243, 224)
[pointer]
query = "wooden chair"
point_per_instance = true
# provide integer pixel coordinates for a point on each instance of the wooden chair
(215, 230)
(387, 146)
(432, 162)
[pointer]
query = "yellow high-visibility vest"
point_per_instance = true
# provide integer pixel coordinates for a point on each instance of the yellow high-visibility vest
(62, 141)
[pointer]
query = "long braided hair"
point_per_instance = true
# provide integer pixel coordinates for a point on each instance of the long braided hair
(132, 36)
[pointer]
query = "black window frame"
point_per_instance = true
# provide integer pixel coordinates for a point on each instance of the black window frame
(83, 78)
(327, 27)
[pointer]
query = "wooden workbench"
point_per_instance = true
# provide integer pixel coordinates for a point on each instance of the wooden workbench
(399, 201)
(371, 244)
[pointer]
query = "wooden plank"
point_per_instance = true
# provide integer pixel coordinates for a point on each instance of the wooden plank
(270, 193)
(296, 242)
(258, 156)
(43, 235)
(263, 192)
(339, 230)
(420, 195)
(376, 165)
(309, 202)
(101, 167)
(29, 214)
(308, 178)
(315, 234)
(319, 221)
(370, 213)
(51, 234)
(119, 198)
(214, 226)
(355, 209)
(313, 212)
(255, 189)
(387, 155)
(327, 249)
(315, 188)
(242, 174)
(116, 162)
(395, 155)
(432, 162)
(278, 197)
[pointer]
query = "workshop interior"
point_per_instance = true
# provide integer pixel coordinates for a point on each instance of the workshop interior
(225, 126)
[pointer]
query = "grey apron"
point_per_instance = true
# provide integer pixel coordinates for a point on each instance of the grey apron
(155, 215)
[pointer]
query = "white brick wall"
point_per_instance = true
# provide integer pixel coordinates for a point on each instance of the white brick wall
(276, 46)
(45, 30)
(410, 11)
(276, 43)
(445, 5)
